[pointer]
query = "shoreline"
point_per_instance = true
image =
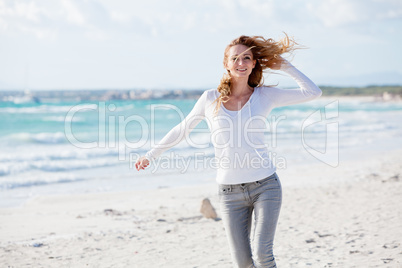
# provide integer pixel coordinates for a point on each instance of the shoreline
(347, 160)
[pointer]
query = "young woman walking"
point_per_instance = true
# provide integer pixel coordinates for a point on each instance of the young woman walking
(236, 112)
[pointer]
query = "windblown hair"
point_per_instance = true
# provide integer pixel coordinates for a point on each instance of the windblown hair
(266, 52)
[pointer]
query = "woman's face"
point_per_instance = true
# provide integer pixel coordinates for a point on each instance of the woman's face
(240, 62)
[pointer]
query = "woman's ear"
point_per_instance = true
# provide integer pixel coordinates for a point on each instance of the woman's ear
(254, 63)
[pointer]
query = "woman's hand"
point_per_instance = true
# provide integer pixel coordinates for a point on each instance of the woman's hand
(276, 64)
(142, 163)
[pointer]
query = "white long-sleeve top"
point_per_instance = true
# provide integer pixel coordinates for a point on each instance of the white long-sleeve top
(238, 136)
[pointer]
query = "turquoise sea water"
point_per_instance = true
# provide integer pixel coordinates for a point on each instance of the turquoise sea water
(65, 147)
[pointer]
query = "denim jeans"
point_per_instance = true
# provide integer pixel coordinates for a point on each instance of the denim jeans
(251, 247)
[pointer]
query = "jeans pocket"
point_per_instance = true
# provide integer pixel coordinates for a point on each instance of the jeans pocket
(268, 180)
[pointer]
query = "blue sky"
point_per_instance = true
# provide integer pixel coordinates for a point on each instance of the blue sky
(119, 44)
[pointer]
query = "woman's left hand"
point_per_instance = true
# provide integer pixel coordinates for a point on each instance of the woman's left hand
(142, 163)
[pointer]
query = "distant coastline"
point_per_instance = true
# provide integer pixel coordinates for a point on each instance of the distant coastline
(24, 96)
(361, 91)
(385, 93)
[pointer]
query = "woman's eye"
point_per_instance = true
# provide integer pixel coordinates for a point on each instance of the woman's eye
(234, 59)
(247, 58)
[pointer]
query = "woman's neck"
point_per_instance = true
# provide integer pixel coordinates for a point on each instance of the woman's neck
(240, 87)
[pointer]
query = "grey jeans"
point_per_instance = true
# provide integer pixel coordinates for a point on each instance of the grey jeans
(251, 240)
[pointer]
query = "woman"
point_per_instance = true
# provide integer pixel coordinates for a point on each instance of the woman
(234, 111)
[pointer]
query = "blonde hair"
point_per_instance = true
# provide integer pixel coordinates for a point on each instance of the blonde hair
(266, 52)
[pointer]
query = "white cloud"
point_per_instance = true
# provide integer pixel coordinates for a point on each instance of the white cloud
(120, 17)
(25, 17)
(337, 13)
(28, 11)
(259, 8)
(103, 17)
(49, 19)
(112, 31)
(22, 10)
(72, 13)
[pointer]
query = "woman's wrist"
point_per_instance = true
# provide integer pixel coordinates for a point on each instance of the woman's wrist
(148, 156)
(286, 65)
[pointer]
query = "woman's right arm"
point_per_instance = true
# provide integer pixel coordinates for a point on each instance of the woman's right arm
(177, 134)
(307, 89)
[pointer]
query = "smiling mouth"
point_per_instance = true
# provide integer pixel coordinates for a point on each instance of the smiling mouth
(241, 70)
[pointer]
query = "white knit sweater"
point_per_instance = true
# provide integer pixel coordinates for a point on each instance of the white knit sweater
(238, 136)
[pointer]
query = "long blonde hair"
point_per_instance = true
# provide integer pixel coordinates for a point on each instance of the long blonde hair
(266, 52)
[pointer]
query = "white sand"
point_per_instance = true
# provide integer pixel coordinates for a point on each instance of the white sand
(354, 223)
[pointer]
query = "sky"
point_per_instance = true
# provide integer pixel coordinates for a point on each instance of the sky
(179, 44)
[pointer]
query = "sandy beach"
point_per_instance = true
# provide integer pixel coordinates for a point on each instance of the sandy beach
(354, 222)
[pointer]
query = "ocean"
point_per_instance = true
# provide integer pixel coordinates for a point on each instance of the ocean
(69, 147)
